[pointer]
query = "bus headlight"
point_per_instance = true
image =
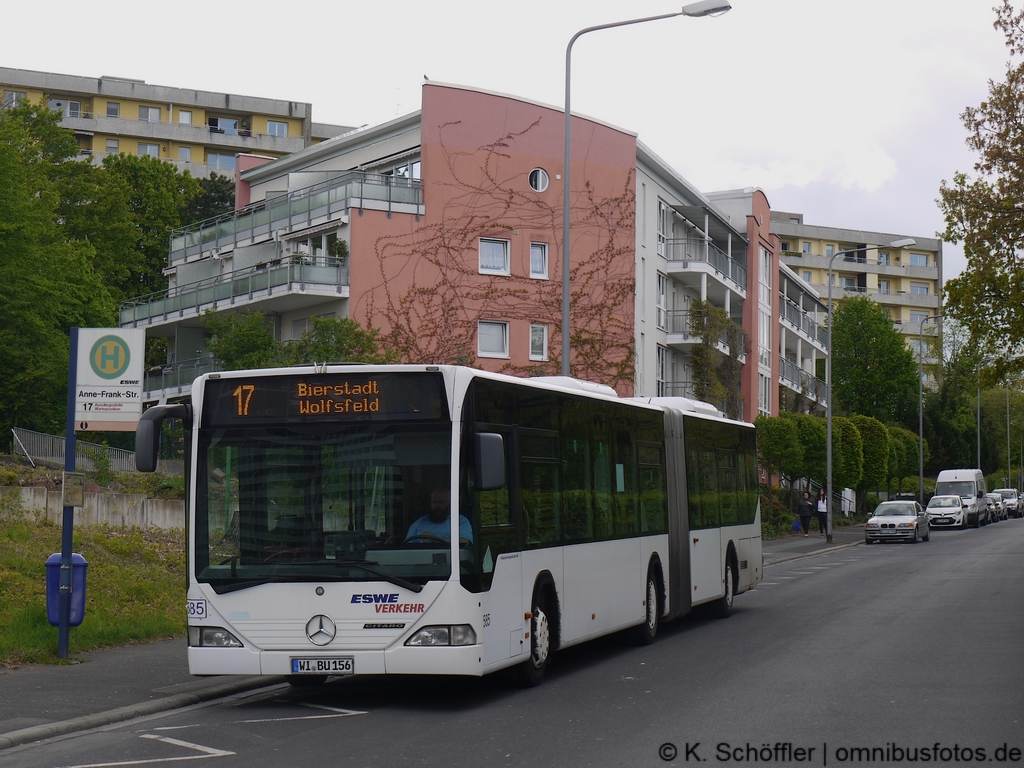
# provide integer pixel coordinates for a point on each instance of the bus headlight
(212, 637)
(459, 634)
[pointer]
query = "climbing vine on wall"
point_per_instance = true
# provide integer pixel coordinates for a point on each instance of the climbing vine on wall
(434, 319)
(717, 377)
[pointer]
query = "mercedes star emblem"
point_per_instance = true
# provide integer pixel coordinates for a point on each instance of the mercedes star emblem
(320, 630)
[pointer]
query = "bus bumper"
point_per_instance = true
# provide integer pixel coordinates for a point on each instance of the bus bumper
(401, 660)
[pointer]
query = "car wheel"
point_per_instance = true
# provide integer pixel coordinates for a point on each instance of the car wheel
(722, 607)
(645, 633)
(531, 672)
(915, 539)
(927, 533)
(867, 541)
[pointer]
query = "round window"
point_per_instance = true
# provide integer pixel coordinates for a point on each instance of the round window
(538, 179)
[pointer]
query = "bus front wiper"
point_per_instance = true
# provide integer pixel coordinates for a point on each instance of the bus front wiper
(234, 586)
(396, 580)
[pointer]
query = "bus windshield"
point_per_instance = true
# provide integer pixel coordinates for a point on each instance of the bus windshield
(322, 502)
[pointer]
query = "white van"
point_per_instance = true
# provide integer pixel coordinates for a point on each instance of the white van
(969, 485)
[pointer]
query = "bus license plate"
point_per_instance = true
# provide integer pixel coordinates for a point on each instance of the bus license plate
(345, 665)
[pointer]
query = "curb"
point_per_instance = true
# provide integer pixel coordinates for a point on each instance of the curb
(132, 711)
(833, 548)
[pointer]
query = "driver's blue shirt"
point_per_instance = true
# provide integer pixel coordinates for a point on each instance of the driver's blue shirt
(442, 530)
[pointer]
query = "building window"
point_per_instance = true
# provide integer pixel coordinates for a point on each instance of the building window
(764, 394)
(112, 146)
(784, 246)
(830, 250)
(216, 161)
(918, 317)
(921, 289)
(807, 249)
(149, 114)
(884, 287)
(660, 371)
(184, 154)
(225, 125)
(113, 109)
(494, 257)
(919, 259)
(807, 276)
(153, 150)
(665, 223)
(883, 258)
(662, 301)
(538, 179)
(74, 109)
(492, 339)
(277, 128)
(538, 341)
(539, 260)
(184, 117)
(11, 99)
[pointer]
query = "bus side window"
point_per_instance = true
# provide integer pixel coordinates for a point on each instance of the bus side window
(577, 512)
(624, 488)
(540, 487)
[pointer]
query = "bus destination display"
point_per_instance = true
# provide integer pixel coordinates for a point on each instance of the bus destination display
(295, 399)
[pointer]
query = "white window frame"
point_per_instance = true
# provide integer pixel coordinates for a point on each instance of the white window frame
(806, 246)
(914, 257)
(505, 245)
(920, 289)
(539, 180)
(148, 146)
(918, 317)
(542, 249)
(114, 109)
(113, 146)
(884, 287)
(148, 112)
(664, 227)
(216, 166)
(184, 117)
(493, 325)
(660, 371)
(807, 276)
(184, 154)
(539, 331)
(277, 128)
(830, 250)
(883, 258)
(662, 302)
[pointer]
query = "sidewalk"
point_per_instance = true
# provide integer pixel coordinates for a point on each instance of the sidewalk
(794, 545)
(39, 700)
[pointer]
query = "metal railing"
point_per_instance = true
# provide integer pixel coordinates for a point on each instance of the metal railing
(37, 446)
(300, 270)
(678, 321)
(179, 374)
(264, 218)
(802, 321)
(695, 249)
(803, 381)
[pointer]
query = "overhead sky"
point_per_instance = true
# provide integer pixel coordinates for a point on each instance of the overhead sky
(845, 111)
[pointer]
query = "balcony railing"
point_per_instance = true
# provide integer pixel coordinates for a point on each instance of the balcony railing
(802, 380)
(802, 321)
(696, 249)
(233, 285)
(180, 374)
(299, 208)
(678, 322)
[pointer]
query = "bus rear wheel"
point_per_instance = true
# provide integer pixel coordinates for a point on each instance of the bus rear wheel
(722, 607)
(644, 634)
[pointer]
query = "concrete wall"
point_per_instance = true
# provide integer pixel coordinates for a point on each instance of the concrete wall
(115, 509)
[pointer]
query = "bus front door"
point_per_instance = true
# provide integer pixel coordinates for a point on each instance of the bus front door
(503, 610)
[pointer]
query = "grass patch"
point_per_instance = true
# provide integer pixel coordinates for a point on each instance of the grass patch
(135, 590)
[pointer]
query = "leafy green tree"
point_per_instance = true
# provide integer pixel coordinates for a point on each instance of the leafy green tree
(986, 212)
(241, 340)
(216, 196)
(907, 454)
(47, 284)
(335, 340)
(873, 372)
(782, 453)
(875, 440)
(812, 431)
(847, 454)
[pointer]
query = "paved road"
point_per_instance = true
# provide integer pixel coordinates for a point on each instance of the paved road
(886, 647)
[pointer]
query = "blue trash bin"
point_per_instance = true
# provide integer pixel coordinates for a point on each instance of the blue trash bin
(78, 567)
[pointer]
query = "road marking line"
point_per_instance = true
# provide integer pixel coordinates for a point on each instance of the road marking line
(335, 709)
(207, 752)
(335, 712)
(769, 583)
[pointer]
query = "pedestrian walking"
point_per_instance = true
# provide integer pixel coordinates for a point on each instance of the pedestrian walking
(805, 510)
(822, 510)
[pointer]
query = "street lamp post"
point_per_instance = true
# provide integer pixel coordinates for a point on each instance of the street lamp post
(694, 10)
(920, 408)
(903, 243)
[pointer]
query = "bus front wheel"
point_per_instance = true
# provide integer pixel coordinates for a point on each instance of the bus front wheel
(531, 672)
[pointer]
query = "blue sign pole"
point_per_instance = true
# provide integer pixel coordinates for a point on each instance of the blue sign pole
(68, 533)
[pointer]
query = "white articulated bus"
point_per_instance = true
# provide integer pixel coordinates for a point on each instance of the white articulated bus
(441, 520)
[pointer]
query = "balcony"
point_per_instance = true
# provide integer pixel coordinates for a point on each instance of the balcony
(692, 252)
(800, 321)
(796, 378)
(881, 295)
(680, 331)
(305, 207)
(175, 379)
(284, 280)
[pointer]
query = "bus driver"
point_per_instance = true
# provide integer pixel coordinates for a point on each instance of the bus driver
(435, 526)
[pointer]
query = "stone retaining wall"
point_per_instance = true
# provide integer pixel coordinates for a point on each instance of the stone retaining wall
(115, 509)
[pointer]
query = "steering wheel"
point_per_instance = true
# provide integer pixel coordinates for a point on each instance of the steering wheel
(424, 536)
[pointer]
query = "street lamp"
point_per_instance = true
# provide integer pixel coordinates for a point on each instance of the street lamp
(694, 10)
(906, 242)
(920, 408)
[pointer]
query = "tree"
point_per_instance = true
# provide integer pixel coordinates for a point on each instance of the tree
(873, 372)
(778, 443)
(241, 340)
(847, 454)
(907, 455)
(216, 196)
(335, 340)
(812, 431)
(986, 213)
(875, 440)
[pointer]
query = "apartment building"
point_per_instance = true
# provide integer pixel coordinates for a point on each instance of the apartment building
(442, 229)
(906, 281)
(199, 131)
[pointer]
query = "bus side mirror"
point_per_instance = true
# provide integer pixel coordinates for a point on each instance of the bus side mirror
(489, 461)
(147, 433)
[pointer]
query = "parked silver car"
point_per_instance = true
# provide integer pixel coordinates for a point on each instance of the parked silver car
(947, 512)
(996, 511)
(1011, 501)
(898, 521)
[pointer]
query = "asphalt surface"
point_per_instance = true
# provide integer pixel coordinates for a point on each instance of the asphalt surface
(103, 687)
